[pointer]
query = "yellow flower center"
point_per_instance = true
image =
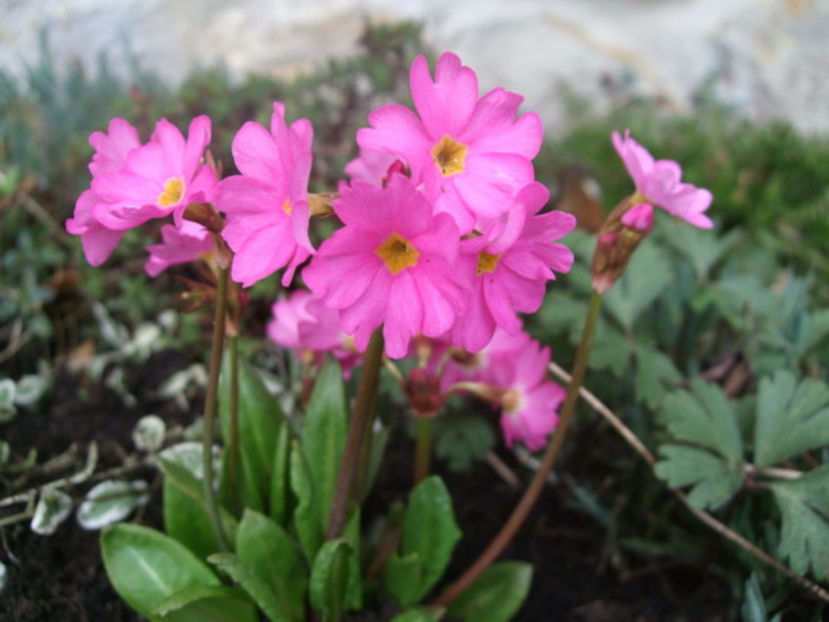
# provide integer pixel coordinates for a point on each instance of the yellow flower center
(448, 154)
(398, 253)
(486, 263)
(287, 207)
(173, 190)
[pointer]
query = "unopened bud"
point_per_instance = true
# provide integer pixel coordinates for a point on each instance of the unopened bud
(620, 234)
(396, 167)
(206, 215)
(422, 391)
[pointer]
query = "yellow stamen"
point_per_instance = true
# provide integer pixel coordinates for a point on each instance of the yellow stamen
(449, 154)
(172, 192)
(486, 263)
(398, 253)
(287, 207)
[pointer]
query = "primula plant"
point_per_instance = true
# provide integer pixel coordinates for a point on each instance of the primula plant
(433, 249)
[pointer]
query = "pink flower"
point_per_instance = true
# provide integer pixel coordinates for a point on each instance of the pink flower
(302, 323)
(111, 151)
(370, 166)
(156, 179)
(266, 206)
(112, 148)
(392, 263)
(529, 401)
(186, 242)
(283, 329)
(510, 271)
(470, 153)
(98, 241)
(658, 181)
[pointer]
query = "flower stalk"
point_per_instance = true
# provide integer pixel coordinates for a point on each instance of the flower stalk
(423, 450)
(211, 404)
(358, 427)
(522, 510)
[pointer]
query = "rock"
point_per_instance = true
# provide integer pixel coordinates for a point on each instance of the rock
(766, 58)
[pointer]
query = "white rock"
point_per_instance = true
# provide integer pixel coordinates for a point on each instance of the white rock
(767, 58)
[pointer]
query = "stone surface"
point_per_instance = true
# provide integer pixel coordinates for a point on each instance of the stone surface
(767, 58)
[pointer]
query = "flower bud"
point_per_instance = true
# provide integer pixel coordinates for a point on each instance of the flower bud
(422, 391)
(620, 234)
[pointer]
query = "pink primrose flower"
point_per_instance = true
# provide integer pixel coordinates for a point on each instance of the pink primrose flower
(510, 271)
(529, 401)
(370, 166)
(286, 314)
(392, 263)
(98, 242)
(266, 206)
(156, 179)
(658, 181)
(470, 153)
(111, 151)
(180, 244)
(304, 324)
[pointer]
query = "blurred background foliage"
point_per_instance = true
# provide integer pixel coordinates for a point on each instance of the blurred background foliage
(732, 305)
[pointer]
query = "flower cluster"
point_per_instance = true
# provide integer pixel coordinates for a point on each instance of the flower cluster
(444, 241)
(444, 236)
(134, 182)
(443, 233)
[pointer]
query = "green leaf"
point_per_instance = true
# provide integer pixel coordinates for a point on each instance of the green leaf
(790, 419)
(146, 567)
(148, 433)
(611, 349)
(711, 461)
(323, 434)
(255, 585)
(804, 535)
(259, 422)
(279, 499)
(430, 531)
(307, 523)
(496, 595)
(646, 276)
(351, 534)
(753, 608)
(270, 552)
(329, 579)
(401, 578)
(462, 439)
(208, 603)
(245, 492)
(111, 501)
(186, 517)
(704, 417)
(713, 480)
(421, 614)
(53, 507)
(654, 370)
(815, 330)
(701, 248)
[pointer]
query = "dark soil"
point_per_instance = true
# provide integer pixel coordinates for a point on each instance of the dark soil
(61, 577)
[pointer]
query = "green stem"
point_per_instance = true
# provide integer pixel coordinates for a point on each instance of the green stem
(361, 420)
(233, 454)
(210, 407)
(522, 510)
(423, 449)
